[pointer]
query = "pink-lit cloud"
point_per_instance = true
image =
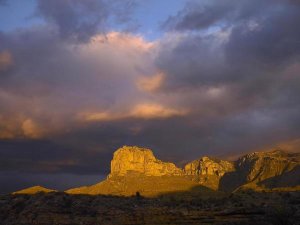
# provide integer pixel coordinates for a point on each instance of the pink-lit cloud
(6, 60)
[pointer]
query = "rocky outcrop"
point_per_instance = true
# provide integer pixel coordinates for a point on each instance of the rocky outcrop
(259, 170)
(208, 171)
(141, 160)
(208, 166)
(259, 166)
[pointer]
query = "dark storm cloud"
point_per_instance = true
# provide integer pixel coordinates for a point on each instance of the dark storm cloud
(14, 181)
(241, 61)
(75, 18)
(261, 41)
(79, 20)
(204, 14)
(52, 156)
(199, 15)
(249, 57)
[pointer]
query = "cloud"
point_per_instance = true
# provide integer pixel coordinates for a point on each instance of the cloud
(139, 111)
(59, 79)
(6, 60)
(149, 111)
(80, 20)
(31, 129)
(202, 15)
(150, 83)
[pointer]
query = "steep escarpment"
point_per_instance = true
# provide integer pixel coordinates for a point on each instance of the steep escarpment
(208, 171)
(259, 166)
(141, 160)
(254, 169)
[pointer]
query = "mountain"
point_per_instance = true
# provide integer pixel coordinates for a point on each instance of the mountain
(263, 170)
(34, 190)
(141, 160)
(135, 169)
(208, 171)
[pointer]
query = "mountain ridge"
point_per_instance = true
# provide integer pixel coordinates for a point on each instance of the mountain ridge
(135, 169)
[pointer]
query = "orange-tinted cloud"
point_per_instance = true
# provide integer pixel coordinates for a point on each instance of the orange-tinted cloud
(152, 111)
(150, 84)
(140, 111)
(6, 134)
(123, 41)
(31, 129)
(8, 128)
(6, 60)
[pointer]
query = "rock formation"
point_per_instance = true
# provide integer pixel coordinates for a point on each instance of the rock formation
(255, 169)
(208, 171)
(135, 169)
(134, 159)
(208, 166)
(259, 166)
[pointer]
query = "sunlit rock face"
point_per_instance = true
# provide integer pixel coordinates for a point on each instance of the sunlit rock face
(135, 159)
(208, 171)
(208, 166)
(259, 166)
(261, 170)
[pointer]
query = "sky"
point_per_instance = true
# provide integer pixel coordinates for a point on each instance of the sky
(185, 78)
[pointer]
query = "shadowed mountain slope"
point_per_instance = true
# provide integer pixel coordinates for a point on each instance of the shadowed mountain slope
(254, 169)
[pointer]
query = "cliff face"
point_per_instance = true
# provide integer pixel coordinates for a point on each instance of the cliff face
(208, 171)
(134, 159)
(208, 166)
(261, 170)
(259, 166)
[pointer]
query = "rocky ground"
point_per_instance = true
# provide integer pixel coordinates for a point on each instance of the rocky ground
(239, 208)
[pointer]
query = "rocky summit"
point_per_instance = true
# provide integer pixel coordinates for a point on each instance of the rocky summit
(134, 159)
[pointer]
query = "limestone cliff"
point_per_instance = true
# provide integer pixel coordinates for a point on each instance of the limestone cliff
(261, 170)
(208, 171)
(141, 160)
(259, 166)
(208, 166)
